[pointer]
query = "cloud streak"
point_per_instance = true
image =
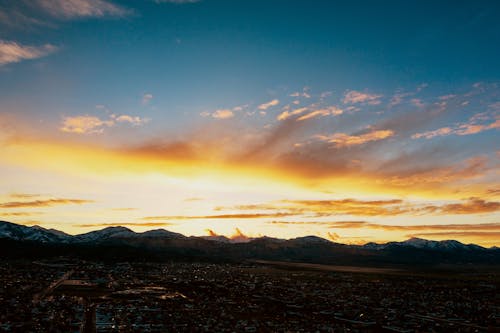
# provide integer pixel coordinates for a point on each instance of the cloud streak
(354, 207)
(12, 52)
(330, 111)
(176, 1)
(87, 124)
(43, 203)
(355, 97)
(146, 98)
(269, 104)
(223, 114)
(341, 140)
(84, 124)
(221, 216)
(71, 9)
(124, 224)
(462, 129)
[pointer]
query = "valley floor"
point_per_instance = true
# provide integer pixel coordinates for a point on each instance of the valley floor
(67, 296)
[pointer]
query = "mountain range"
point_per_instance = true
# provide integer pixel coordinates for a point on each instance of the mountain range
(161, 244)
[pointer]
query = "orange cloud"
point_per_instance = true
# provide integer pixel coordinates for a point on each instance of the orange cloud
(91, 124)
(20, 214)
(332, 110)
(134, 120)
(463, 129)
(422, 227)
(85, 124)
(485, 237)
(23, 195)
(167, 151)
(223, 114)
(471, 206)
(353, 97)
(239, 236)
(222, 216)
(285, 115)
(344, 140)
(471, 168)
(394, 207)
(123, 224)
(268, 156)
(333, 236)
(334, 207)
(193, 199)
(43, 203)
(351, 207)
(211, 233)
(269, 104)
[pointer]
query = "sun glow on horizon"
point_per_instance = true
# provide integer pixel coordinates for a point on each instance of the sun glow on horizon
(185, 116)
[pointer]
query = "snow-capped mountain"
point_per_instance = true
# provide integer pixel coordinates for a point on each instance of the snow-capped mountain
(34, 233)
(419, 243)
(103, 234)
(310, 240)
(37, 233)
(120, 243)
(149, 234)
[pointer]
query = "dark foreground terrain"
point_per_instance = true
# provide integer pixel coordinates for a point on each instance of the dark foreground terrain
(64, 295)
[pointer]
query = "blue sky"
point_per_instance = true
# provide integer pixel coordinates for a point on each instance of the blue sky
(390, 92)
(219, 53)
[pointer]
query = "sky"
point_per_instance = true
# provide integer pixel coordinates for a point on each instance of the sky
(356, 121)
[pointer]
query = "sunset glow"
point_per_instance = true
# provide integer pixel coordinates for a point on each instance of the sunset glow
(179, 115)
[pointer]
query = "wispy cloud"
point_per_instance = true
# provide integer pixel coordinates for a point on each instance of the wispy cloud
(193, 199)
(176, 1)
(23, 195)
(220, 216)
(92, 124)
(12, 52)
(287, 113)
(43, 203)
(471, 206)
(332, 110)
(133, 120)
(304, 93)
(354, 97)
(425, 229)
(12, 16)
(71, 9)
(481, 235)
(124, 224)
(223, 114)
(419, 168)
(354, 207)
(146, 98)
(333, 236)
(472, 127)
(85, 124)
(310, 112)
(269, 104)
(16, 214)
(344, 140)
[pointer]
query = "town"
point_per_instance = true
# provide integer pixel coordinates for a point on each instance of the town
(62, 295)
